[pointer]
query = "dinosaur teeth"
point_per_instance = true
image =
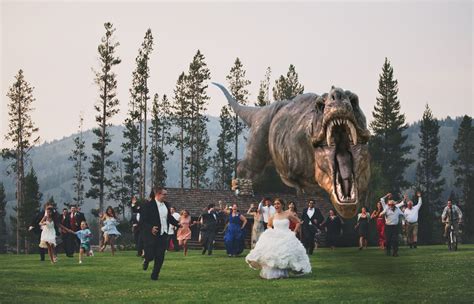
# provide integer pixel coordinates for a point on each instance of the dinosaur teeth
(353, 132)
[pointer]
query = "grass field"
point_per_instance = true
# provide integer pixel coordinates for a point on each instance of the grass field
(430, 274)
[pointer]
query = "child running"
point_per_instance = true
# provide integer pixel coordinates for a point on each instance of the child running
(48, 234)
(84, 235)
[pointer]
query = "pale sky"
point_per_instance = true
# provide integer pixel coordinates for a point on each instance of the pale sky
(430, 45)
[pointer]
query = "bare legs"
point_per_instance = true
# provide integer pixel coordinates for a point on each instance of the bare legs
(362, 243)
(51, 253)
(108, 239)
(184, 244)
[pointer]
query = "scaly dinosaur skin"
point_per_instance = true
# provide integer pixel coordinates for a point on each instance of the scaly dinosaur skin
(311, 140)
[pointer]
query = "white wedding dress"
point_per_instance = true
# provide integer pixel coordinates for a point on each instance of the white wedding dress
(278, 251)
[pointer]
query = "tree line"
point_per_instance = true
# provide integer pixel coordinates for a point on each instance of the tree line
(154, 123)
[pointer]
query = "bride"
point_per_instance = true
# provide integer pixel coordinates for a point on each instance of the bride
(278, 250)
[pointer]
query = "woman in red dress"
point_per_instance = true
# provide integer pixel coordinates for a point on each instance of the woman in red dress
(380, 224)
(293, 225)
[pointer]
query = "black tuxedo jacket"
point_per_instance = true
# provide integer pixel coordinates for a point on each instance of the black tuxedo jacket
(209, 222)
(136, 209)
(149, 217)
(315, 220)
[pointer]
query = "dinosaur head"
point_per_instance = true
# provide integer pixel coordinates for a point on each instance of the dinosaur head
(339, 137)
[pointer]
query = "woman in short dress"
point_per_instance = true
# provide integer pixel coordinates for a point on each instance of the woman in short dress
(363, 227)
(278, 251)
(184, 232)
(380, 224)
(48, 234)
(257, 227)
(109, 229)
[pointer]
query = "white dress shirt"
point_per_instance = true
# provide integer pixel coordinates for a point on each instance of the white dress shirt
(411, 215)
(163, 217)
(392, 217)
(310, 213)
(267, 212)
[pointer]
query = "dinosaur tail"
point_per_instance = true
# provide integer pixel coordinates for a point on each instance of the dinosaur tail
(247, 114)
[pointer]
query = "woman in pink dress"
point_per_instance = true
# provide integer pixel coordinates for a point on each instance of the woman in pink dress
(184, 232)
(380, 224)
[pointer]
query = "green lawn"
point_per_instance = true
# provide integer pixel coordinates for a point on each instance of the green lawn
(430, 274)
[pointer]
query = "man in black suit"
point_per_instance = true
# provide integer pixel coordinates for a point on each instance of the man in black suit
(68, 238)
(136, 209)
(208, 229)
(311, 219)
(155, 219)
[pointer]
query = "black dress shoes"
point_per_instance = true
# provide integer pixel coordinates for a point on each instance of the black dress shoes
(154, 277)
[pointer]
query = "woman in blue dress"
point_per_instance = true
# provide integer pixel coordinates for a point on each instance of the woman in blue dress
(110, 229)
(234, 235)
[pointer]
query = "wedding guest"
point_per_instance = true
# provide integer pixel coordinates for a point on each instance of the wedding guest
(173, 230)
(235, 236)
(35, 227)
(155, 220)
(184, 233)
(84, 235)
(48, 234)
(311, 219)
(109, 229)
(294, 226)
(257, 228)
(411, 216)
(392, 215)
(266, 210)
(68, 239)
(208, 229)
(363, 227)
(333, 225)
(380, 224)
(136, 207)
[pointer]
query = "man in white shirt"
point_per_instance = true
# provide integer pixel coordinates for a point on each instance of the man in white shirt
(392, 217)
(172, 229)
(267, 210)
(155, 219)
(411, 217)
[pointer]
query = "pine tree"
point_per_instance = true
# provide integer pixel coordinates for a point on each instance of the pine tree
(20, 135)
(106, 107)
(160, 137)
(428, 172)
(140, 95)
(237, 85)
(464, 171)
(198, 160)
(118, 191)
(387, 146)
(3, 225)
(223, 161)
(27, 210)
(181, 113)
(78, 157)
(263, 97)
(287, 88)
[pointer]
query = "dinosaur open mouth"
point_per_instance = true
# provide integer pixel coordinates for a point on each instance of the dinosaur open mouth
(341, 136)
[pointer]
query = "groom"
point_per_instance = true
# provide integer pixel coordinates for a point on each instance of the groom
(155, 220)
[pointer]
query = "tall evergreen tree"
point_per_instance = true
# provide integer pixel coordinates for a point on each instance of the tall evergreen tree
(20, 134)
(263, 97)
(237, 85)
(287, 87)
(464, 171)
(107, 107)
(160, 137)
(27, 210)
(118, 191)
(181, 113)
(3, 225)
(387, 146)
(428, 172)
(140, 94)
(223, 161)
(78, 157)
(198, 160)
